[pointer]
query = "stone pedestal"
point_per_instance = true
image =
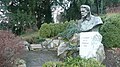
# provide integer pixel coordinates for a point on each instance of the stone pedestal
(91, 46)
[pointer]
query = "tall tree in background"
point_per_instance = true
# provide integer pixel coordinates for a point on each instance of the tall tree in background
(43, 12)
(27, 13)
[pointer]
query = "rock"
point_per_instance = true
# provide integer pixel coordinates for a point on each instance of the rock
(20, 63)
(62, 48)
(35, 46)
(51, 44)
(26, 44)
(46, 43)
(55, 43)
(91, 46)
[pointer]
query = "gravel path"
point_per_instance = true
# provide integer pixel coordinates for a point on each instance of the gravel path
(37, 58)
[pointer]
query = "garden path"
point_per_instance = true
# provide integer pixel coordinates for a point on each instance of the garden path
(37, 58)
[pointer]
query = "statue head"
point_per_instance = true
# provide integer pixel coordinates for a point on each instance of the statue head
(85, 11)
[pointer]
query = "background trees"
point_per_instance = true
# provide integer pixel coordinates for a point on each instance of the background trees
(28, 14)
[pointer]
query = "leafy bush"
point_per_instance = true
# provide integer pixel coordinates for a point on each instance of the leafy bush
(51, 30)
(64, 30)
(32, 37)
(70, 30)
(75, 62)
(10, 48)
(110, 30)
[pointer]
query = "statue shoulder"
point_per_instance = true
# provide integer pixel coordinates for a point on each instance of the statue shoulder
(98, 20)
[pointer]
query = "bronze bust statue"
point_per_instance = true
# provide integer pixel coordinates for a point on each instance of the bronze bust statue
(88, 22)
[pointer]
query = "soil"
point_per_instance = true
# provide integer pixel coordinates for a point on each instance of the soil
(37, 58)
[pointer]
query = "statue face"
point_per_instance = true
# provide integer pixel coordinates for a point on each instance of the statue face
(84, 12)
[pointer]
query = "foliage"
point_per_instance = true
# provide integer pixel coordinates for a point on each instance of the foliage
(75, 62)
(51, 30)
(10, 48)
(71, 28)
(27, 13)
(21, 21)
(110, 30)
(32, 37)
(64, 30)
(40, 10)
(112, 3)
(32, 13)
(3, 17)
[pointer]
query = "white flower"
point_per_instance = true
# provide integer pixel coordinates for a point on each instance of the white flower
(15, 24)
(18, 22)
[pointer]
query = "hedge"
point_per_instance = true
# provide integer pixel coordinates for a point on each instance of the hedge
(110, 30)
(52, 29)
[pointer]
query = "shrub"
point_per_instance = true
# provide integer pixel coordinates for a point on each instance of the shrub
(69, 31)
(81, 62)
(10, 48)
(51, 30)
(32, 37)
(75, 62)
(110, 30)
